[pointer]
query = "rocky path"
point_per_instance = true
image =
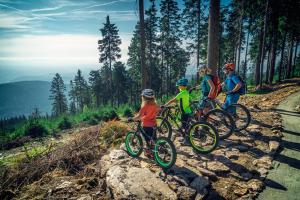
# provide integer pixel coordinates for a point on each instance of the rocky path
(286, 175)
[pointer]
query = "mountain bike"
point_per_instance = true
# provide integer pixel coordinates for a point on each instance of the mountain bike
(162, 148)
(239, 113)
(202, 136)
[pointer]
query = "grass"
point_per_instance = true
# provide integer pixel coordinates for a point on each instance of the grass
(90, 116)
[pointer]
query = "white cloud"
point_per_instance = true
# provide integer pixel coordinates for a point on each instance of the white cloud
(55, 50)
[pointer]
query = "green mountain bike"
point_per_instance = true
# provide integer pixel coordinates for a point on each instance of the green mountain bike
(203, 137)
(162, 148)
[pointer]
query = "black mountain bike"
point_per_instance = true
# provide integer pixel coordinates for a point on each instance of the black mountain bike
(163, 149)
(202, 136)
(240, 115)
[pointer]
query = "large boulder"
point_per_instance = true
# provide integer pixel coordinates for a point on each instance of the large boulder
(136, 183)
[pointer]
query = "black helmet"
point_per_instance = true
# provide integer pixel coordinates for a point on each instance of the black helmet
(149, 93)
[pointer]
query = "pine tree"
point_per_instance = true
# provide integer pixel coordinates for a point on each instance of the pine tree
(120, 82)
(170, 41)
(152, 55)
(109, 49)
(95, 81)
(72, 98)
(82, 91)
(58, 89)
(195, 29)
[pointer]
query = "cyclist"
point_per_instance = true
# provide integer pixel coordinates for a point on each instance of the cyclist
(232, 84)
(147, 115)
(183, 98)
(208, 91)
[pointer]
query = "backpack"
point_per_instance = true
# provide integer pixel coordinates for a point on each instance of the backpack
(243, 89)
(218, 87)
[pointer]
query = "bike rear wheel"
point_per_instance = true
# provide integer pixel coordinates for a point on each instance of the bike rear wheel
(164, 152)
(222, 121)
(203, 137)
(134, 144)
(240, 115)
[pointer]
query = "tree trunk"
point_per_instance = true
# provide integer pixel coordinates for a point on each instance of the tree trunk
(295, 57)
(274, 42)
(143, 46)
(281, 59)
(213, 36)
(247, 44)
(268, 67)
(258, 59)
(289, 66)
(198, 38)
(263, 43)
(240, 37)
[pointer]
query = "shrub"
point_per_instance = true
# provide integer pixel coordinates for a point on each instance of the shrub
(93, 121)
(127, 112)
(65, 124)
(112, 133)
(35, 129)
(110, 115)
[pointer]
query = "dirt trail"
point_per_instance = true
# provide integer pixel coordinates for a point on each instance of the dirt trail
(285, 178)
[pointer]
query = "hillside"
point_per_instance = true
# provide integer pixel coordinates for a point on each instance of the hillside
(20, 98)
(84, 163)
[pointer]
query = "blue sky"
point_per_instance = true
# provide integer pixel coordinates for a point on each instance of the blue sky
(41, 37)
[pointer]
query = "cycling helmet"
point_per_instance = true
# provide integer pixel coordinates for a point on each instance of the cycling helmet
(229, 66)
(182, 82)
(149, 93)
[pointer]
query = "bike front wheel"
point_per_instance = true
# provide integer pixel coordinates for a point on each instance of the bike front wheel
(164, 152)
(134, 144)
(203, 137)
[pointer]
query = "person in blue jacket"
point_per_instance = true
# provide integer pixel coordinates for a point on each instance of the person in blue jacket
(232, 85)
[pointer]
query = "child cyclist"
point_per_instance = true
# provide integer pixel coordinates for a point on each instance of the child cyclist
(183, 98)
(147, 115)
(208, 89)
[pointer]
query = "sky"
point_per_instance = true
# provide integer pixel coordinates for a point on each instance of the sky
(41, 37)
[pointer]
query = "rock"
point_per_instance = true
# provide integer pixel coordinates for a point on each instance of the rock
(242, 148)
(183, 172)
(63, 185)
(297, 108)
(181, 180)
(240, 191)
(254, 128)
(117, 155)
(233, 154)
(255, 185)
(123, 147)
(211, 175)
(263, 162)
(85, 197)
(186, 193)
(199, 184)
(136, 183)
(246, 176)
(217, 167)
(263, 172)
(273, 145)
(200, 196)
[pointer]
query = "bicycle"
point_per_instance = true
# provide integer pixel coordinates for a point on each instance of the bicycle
(241, 115)
(163, 148)
(203, 137)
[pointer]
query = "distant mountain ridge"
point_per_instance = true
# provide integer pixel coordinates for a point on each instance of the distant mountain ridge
(20, 98)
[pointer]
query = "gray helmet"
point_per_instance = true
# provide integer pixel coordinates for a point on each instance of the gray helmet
(149, 93)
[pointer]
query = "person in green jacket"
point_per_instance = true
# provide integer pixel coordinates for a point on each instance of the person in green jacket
(183, 98)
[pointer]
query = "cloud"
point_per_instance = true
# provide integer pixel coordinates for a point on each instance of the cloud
(55, 50)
